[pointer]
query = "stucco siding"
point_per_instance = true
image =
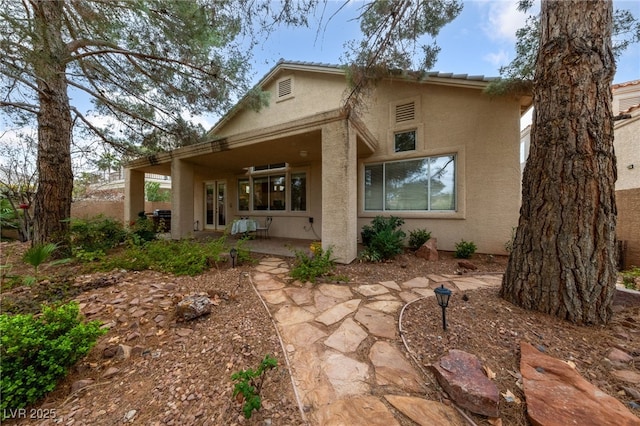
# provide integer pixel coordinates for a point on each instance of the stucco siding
(628, 230)
(484, 134)
(311, 94)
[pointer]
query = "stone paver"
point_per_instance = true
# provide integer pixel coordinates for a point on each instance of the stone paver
(322, 327)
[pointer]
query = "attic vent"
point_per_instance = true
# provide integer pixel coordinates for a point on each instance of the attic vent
(627, 103)
(405, 112)
(285, 87)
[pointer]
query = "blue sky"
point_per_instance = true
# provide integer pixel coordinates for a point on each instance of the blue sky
(478, 42)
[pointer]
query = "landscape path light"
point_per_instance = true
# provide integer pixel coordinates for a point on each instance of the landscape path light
(234, 254)
(442, 296)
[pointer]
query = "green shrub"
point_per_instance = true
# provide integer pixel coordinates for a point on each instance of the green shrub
(249, 384)
(95, 235)
(183, 257)
(631, 277)
(309, 268)
(142, 230)
(35, 352)
(418, 237)
(465, 249)
(383, 238)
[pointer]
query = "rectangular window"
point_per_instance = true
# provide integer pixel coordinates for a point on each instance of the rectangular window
(269, 192)
(405, 141)
(423, 184)
(277, 192)
(299, 192)
(243, 194)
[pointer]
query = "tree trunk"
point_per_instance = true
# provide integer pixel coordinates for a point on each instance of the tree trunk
(564, 256)
(53, 197)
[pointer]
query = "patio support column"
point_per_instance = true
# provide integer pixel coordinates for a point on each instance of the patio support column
(181, 199)
(339, 190)
(133, 194)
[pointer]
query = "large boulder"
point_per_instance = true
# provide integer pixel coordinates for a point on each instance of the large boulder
(193, 306)
(461, 375)
(557, 395)
(429, 250)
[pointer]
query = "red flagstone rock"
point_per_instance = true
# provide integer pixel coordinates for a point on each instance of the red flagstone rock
(557, 395)
(467, 265)
(429, 250)
(425, 412)
(461, 375)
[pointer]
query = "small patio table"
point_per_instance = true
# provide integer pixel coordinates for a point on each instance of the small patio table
(243, 226)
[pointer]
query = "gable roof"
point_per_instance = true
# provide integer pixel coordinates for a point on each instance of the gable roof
(433, 77)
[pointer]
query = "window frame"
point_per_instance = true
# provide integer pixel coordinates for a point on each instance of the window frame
(288, 174)
(457, 210)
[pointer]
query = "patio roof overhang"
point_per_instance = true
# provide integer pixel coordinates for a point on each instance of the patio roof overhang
(278, 143)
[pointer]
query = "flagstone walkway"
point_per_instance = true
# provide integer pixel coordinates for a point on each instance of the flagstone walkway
(325, 330)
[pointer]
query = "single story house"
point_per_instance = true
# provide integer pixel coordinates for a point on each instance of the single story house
(433, 150)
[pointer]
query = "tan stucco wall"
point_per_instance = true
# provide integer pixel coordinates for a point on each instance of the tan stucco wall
(484, 133)
(627, 150)
(312, 93)
(628, 202)
(87, 209)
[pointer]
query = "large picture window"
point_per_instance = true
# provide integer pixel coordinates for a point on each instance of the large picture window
(269, 192)
(422, 184)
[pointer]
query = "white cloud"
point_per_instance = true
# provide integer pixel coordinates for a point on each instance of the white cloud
(502, 19)
(497, 59)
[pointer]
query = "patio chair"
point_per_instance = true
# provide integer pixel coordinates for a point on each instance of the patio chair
(264, 230)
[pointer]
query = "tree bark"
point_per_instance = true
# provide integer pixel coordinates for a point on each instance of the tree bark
(564, 256)
(53, 197)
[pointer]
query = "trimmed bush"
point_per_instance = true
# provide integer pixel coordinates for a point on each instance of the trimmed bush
(465, 249)
(35, 352)
(418, 237)
(309, 268)
(383, 238)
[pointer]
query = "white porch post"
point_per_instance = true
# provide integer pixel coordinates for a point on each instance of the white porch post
(133, 194)
(340, 190)
(181, 199)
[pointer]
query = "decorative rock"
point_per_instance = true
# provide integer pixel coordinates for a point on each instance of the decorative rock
(462, 377)
(81, 384)
(123, 352)
(556, 394)
(467, 265)
(429, 250)
(424, 412)
(109, 351)
(627, 376)
(617, 355)
(193, 306)
(111, 371)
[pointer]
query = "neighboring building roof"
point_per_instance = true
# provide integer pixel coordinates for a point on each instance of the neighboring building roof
(429, 76)
(625, 84)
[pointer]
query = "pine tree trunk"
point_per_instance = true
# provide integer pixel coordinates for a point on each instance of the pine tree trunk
(564, 257)
(55, 176)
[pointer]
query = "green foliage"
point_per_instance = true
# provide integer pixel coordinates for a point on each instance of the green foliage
(152, 192)
(418, 237)
(95, 235)
(141, 231)
(465, 249)
(249, 383)
(508, 246)
(383, 238)
(8, 216)
(309, 268)
(631, 278)
(183, 257)
(38, 254)
(35, 352)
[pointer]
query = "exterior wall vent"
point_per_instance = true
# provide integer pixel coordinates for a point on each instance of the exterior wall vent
(285, 88)
(405, 112)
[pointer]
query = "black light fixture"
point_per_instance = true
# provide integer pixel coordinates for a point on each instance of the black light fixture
(442, 296)
(234, 254)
